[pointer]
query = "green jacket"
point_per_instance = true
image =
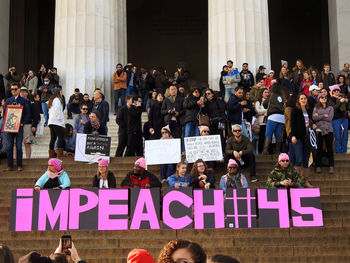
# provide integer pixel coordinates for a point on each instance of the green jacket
(278, 175)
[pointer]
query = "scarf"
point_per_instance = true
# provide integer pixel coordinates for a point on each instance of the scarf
(234, 181)
(52, 175)
(95, 124)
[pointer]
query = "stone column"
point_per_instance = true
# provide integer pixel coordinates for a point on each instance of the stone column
(238, 30)
(90, 39)
(339, 19)
(4, 33)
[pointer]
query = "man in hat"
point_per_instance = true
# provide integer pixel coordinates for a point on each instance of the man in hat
(16, 99)
(284, 175)
(240, 148)
(139, 177)
(313, 98)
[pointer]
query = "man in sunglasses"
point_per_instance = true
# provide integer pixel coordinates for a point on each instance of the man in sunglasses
(81, 119)
(240, 148)
(16, 99)
(284, 175)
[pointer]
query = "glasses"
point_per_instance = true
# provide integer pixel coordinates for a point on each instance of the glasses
(285, 161)
(15, 89)
(165, 132)
(208, 93)
(84, 108)
(232, 167)
(323, 97)
(237, 130)
(336, 90)
(206, 131)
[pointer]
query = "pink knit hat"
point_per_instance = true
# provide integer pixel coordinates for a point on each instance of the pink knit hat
(57, 163)
(283, 156)
(103, 162)
(232, 162)
(141, 162)
(334, 87)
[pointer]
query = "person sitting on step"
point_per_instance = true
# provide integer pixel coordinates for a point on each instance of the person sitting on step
(140, 177)
(284, 175)
(54, 178)
(180, 178)
(233, 178)
(104, 178)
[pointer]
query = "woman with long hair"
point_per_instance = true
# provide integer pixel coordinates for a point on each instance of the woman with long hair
(201, 177)
(155, 118)
(323, 115)
(298, 72)
(56, 122)
(181, 178)
(275, 117)
(6, 255)
(305, 83)
(104, 178)
(262, 117)
(299, 122)
(179, 250)
(342, 85)
(192, 106)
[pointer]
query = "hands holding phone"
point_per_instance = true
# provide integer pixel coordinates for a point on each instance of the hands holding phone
(67, 247)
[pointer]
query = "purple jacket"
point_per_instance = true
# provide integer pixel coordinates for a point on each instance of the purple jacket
(323, 123)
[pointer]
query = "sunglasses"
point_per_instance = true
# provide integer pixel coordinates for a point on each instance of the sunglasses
(237, 130)
(336, 90)
(165, 132)
(208, 93)
(285, 161)
(84, 108)
(232, 167)
(205, 131)
(15, 89)
(323, 97)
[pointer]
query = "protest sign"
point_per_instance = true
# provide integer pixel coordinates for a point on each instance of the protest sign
(89, 148)
(162, 151)
(207, 148)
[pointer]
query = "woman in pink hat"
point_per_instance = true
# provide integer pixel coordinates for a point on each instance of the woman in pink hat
(233, 178)
(104, 178)
(55, 177)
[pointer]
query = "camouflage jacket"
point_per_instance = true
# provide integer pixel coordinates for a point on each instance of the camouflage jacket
(278, 175)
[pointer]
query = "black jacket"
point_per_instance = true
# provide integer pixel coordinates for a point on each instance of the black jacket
(134, 119)
(215, 110)
(88, 129)
(210, 179)
(234, 110)
(35, 110)
(191, 108)
(247, 79)
(132, 179)
(103, 108)
(122, 119)
(155, 119)
(339, 110)
(274, 104)
(297, 123)
(168, 105)
(112, 183)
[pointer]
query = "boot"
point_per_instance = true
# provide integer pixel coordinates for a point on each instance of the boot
(278, 147)
(59, 152)
(331, 170)
(52, 154)
(305, 175)
(266, 146)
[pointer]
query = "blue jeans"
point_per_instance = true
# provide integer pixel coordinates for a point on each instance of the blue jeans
(228, 92)
(340, 142)
(130, 90)
(45, 111)
(191, 129)
(11, 141)
(301, 153)
(119, 94)
(166, 170)
(273, 127)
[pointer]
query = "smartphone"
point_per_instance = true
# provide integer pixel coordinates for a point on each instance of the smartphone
(66, 244)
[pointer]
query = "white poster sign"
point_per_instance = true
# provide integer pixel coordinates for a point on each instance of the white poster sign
(207, 148)
(162, 151)
(80, 149)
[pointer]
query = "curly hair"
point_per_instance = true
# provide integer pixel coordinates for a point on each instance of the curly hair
(198, 254)
(194, 171)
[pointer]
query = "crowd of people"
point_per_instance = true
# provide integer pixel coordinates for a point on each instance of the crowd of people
(175, 251)
(300, 111)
